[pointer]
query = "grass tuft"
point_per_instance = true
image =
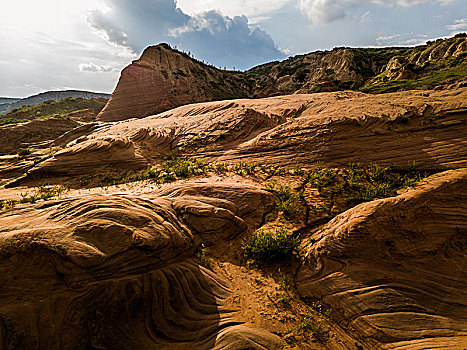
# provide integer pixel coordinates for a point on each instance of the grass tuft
(270, 246)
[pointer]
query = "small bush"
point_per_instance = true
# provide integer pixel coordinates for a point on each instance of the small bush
(7, 203)
(172, 169)
(24, 152)
(316, 327)
(202, 257)
(238, 168)
(320, 178)
(270, 246)
(377, 172)
(287, 197)
(250, 169)
(221, 168)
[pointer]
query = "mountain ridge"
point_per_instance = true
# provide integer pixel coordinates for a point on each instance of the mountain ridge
(48, 95)
(164, 78)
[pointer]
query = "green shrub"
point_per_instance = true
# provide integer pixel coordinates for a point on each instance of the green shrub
(24, 152)
(202, 257)
(375, 181)
(221, 168)
(287, 197)
(309, 325)
(43, 192)
(377, 172)
(238, 168)
(320, 178)
(172, 169)
(270, 246)
(7, 203)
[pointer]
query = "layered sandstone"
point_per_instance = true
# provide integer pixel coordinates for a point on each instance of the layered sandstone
(334, 128)
(164, 78)
(117, 271)
(394, 270)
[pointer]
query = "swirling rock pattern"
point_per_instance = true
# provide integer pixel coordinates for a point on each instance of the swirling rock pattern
(394, 270)
(116, 271)
(334, 128)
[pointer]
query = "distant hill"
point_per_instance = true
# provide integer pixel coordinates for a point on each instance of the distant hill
(79, 108)
(46, 96)
(164, 78)
(33, 126)
(4, 100)
(374, 70)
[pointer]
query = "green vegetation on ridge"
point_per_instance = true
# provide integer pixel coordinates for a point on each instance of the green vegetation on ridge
(426, 66)
(65, 107)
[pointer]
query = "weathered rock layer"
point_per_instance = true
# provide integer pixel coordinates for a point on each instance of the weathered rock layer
(334, 128)
(117, 271)
(394, 270)
(163, 79)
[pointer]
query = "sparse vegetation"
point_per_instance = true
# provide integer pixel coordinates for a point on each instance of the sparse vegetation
(312, 326)
(374, 181)
(202, 257)
(275, 245)
(287, 197)
(320, 177)
(43, 192)
(431, 74)
(48, 109)
(24, 152)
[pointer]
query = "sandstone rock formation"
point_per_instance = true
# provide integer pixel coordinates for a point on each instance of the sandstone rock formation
(163, 79)
(116, 271)
(38, 132)
(334, 128)
(394, 270)
(159, 262)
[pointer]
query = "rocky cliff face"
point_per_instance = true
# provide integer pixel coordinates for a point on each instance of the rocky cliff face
(427, 66)
(164, 78)
(339, 69)
(394, 267)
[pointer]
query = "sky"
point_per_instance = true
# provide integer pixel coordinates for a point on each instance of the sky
(57, 44)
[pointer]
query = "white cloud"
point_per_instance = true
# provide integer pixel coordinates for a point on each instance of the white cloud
(48, 58)
(458, 26)
(327, 11)
(256, 10)
(92, 67)
(211, 21)
(211, 36)
(406, 39)
(383, 40)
